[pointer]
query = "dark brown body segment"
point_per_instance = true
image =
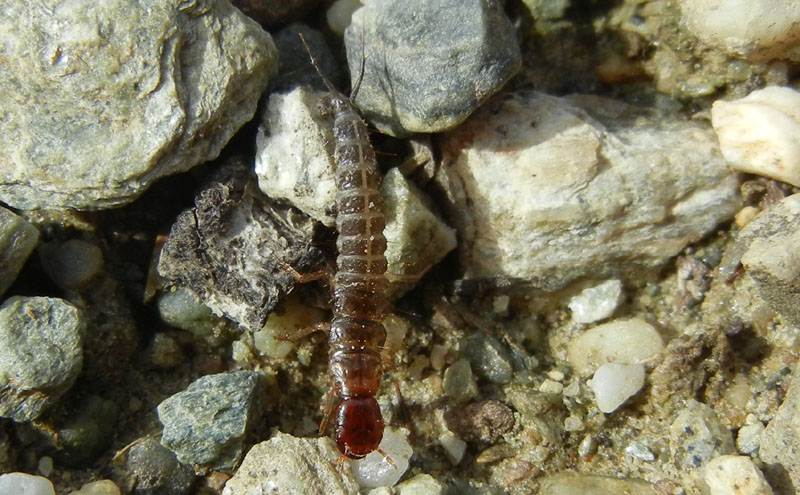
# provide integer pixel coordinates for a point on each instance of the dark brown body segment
(359, 295)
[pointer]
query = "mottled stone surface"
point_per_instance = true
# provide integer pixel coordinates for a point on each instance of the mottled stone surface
(18, 239)
(697, 435)
(41, 354)
(292, 466)
(153, 470)
(99, 103)
(428, 64)
(549, 189)
(206, 423)
(584, 484)
(235, 247)
(780, 443)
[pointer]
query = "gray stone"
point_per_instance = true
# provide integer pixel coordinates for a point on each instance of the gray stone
(41, 355)
(72, 264)
(206, 423)
(488, 357)
(458, 381)
(588, 484)
(235, 247)
(772, 256)
(696, 436)
(292, 466)
(541, 191)
(428, 64)
(18, 238)
(780, 443)
(99, 103)
(152, 469)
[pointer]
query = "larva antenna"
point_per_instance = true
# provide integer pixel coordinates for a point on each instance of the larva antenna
(325, 80)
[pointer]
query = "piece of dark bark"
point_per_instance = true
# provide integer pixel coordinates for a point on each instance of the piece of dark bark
(233, 248)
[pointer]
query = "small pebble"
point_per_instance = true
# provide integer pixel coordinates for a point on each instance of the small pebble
(640, 451)
(182, 309)
(615, 383)
(421, 484)
(587, 447)
(458, 381)
(152, 468)
(551, 387)
(573, 423)
(45, 466)
(619, 341)
(207, 423)
(102, 487)
(696, 435)
(735, 475)
(165, 351)
(72, 264)
(749, 438)
(18, 238)
(339, 14)
(438, 354)
(271, 341)
(25, 484)
(488, 357)
(453, 447)
(373, 470)
(41, 354)
(596, 303)
(760, 133)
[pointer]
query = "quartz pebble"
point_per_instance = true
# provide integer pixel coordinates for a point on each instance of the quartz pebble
(749, 437)
(421, 484)
(427, 64)
(292, 466)
(373, 470)
(760, 133)
(615, 383)
(620, 341)
(25, 484)
(206, 423)
(41, 354)
(756, 30)
(596, 303)
(735, 475)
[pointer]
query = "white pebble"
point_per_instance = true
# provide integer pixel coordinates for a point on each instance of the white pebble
(596, 303)
(374, 470)
(620, 341)
(749, 438)
(25, 484)
(551, 387)
(614, 383)
(640, 451)
(421, 484)
(760, 133)
(735, 475)
(453, 447)
(755, 29)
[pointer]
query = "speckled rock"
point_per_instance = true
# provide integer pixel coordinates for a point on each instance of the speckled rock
(292, 466)
(18, 238)
(735, 475)
(206, 423)
(98, 104)
(72, 264)
(232, 249)
(770, 247)
(780, 442)
(151, 469)
(585, 484)
(541, 191)
(696, 436)
(428, 64)
(41, 355)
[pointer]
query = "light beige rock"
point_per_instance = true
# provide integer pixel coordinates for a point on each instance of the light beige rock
(735, 475)
(621, 341)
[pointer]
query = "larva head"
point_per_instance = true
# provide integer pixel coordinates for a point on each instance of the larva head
(359, 426)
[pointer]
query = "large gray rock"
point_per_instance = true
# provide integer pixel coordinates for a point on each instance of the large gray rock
(542, 191)
(18, 238)
(206, 423)
(99, 103)
(40, 356)
(428, 64)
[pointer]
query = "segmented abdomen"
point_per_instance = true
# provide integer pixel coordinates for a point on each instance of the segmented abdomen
(359, 296)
